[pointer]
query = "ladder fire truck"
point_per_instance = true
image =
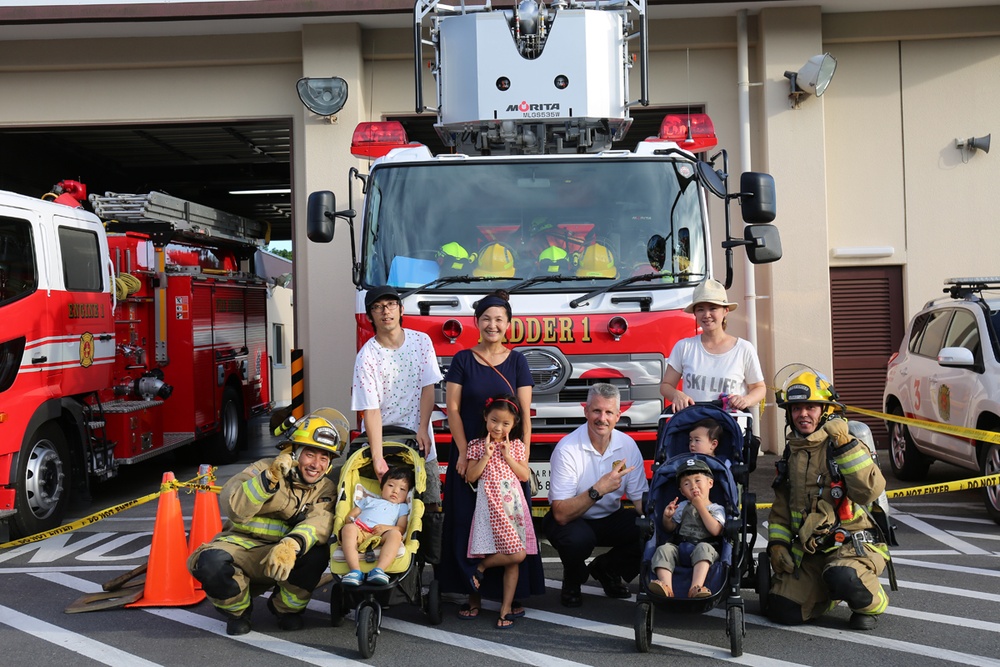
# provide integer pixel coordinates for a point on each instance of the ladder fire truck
(123, 335)
(599, 248)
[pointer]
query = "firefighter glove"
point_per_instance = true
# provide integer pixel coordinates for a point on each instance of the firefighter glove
(280, 560)
(837, 429)
(280, 466)
(781, 558)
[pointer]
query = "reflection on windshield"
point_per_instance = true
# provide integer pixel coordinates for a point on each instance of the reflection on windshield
(17, 260)
(589, 220)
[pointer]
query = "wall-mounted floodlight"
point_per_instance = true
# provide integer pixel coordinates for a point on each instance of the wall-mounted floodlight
(324, 97)
(811, 79)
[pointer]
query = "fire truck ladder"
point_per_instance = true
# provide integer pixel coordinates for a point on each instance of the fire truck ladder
(164, 217)
(100, 451)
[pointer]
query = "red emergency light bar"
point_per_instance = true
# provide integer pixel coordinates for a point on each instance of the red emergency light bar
(693, 132)
(373, 140)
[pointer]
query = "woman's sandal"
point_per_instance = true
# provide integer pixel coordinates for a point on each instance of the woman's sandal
(505, 622)
(660, 589)
(516, 609)
(468, 613)
(477, 579)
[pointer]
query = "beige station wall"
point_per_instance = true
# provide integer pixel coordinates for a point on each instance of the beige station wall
(870, 164)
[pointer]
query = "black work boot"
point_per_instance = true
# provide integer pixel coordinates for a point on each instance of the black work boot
(610, 581)
(863, 621)
(239, 625)
(286, 622)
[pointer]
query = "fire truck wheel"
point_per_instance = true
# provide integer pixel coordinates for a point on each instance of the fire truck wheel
(43, 482)
(232, 436)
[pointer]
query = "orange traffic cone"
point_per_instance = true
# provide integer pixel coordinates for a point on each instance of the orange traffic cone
(168, 582)
(206, 521)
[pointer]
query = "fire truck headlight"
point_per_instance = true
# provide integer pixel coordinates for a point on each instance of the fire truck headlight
(617, 327)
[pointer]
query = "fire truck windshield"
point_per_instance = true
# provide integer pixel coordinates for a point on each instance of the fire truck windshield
(17, 260)
(560, 224)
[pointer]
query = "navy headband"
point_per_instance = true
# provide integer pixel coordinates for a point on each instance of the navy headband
(491, 301)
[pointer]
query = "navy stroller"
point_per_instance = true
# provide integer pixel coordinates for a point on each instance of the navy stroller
(734, 458)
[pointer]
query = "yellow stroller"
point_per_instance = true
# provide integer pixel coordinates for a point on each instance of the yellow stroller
(357, 478)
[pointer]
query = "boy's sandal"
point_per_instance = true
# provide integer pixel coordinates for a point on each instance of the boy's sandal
(468, 613)
(476, 579)
(352, 578)
(516, 609)
(699, 592)
(660, 589)
(378, 577)
(505, 622)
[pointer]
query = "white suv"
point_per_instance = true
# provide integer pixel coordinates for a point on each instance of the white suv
(948, 371)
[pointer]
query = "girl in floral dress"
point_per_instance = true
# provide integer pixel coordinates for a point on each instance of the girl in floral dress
(502, 533)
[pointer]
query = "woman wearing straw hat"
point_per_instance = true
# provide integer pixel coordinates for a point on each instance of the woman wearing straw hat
(714, 363)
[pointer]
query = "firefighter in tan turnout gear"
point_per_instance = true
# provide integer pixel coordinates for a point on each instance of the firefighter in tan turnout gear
(824, 544)
(280, 512)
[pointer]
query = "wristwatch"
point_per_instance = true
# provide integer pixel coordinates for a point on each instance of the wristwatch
(594, 495)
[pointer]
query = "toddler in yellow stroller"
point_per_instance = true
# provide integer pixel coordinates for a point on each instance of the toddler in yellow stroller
(365, 577)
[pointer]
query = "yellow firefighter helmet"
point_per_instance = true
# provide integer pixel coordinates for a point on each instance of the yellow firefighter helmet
(495, 260)
(454, 259)
(597, 262)
(554, 260)
(324, 428)
(799, 383)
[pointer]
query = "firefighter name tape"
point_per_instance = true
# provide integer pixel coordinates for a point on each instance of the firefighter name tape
(111, 511)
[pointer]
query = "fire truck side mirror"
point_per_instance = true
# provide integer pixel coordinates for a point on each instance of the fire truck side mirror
(320, 216)
(763, 243)
(712, 179)
(757, 197)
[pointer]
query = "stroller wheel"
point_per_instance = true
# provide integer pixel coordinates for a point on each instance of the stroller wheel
(337, 611)
(735, 630)
(763, 580)
(434, 614)
(643, 623)
(367, 631)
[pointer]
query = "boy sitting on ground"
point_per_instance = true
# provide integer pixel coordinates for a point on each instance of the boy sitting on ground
(377, 521)
(699, 521)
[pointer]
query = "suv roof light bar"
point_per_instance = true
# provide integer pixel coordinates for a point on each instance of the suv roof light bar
(960, 288)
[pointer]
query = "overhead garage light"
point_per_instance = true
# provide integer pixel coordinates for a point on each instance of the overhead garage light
(324, 97)
(272, 191)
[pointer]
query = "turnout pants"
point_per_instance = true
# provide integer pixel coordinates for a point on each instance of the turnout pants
(231, 574)
(823, 580)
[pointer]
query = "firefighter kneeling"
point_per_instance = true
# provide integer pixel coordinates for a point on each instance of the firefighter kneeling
(280, 513)
(823, 542)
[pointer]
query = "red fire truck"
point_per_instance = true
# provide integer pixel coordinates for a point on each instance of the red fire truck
(123, 335)
(600, 249)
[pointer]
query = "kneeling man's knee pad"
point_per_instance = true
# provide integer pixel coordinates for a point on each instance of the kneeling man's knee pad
(214, 569)
(845, 584)
(782, 610)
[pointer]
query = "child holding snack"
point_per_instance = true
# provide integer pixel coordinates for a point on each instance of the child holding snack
(384, 518)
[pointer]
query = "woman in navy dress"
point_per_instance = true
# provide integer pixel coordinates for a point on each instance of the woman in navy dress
(470, 381)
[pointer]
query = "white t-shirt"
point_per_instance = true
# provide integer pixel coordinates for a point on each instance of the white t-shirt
(706, 376)
(576, 466)
(391, 380)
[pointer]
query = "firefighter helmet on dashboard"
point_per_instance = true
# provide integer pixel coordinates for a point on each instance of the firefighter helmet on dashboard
(324, 428)
(554, 260)
(597, 262)
(454, 259)
(799, 383)
(495, 260)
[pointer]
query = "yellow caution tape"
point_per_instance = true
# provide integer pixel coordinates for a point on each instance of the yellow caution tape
(959, 431)
(111, 511)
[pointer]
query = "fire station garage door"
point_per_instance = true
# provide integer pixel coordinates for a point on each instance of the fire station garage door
(867, 309)
(199, 162)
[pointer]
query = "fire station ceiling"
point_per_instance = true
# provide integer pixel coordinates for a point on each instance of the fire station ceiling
(202, 163)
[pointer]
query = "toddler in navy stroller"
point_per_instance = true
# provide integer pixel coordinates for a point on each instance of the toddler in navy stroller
(732, 504)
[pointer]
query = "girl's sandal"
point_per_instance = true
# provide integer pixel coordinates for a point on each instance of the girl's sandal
(468, 613)
(516, 609)
(477, 579)
(505, 622)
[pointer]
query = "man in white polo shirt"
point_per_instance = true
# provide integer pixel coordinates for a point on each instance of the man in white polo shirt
(592, 468)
